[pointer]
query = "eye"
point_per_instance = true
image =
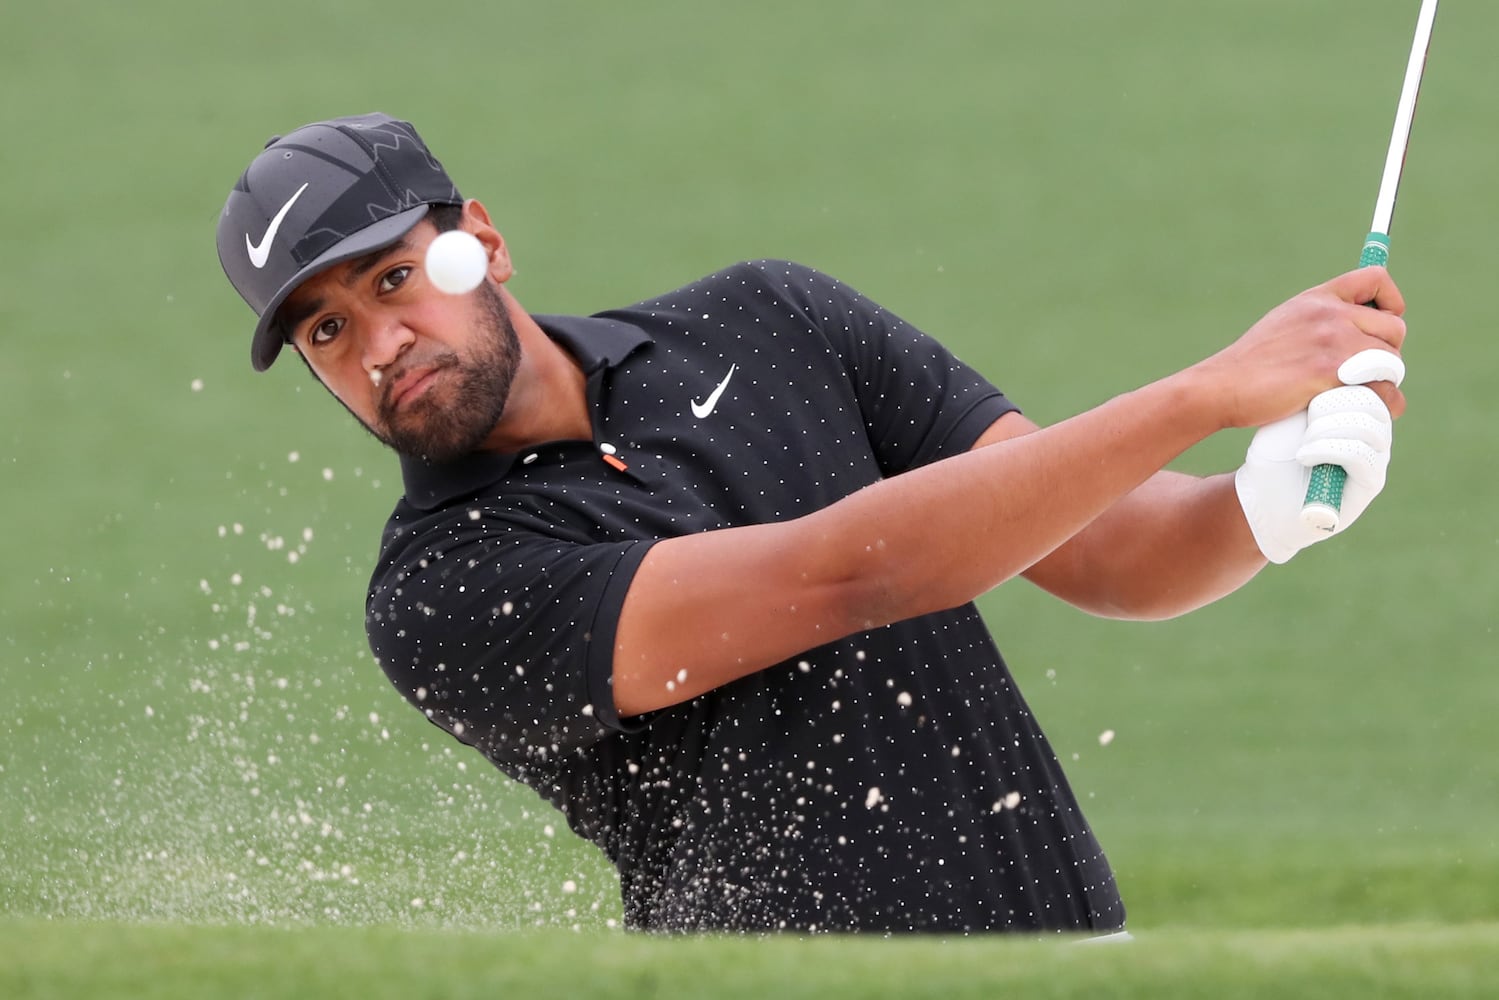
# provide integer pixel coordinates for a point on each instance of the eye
(394, 278)
(324, 332)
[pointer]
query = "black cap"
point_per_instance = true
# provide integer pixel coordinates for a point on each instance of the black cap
(326, 193)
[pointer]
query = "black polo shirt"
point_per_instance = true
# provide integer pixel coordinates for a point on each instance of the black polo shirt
(894, 780)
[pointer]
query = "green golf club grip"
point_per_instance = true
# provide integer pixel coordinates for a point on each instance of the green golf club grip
(1324, 493)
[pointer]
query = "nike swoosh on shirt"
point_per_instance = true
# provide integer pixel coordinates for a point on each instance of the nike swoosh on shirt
(260, 254)
(701, 410)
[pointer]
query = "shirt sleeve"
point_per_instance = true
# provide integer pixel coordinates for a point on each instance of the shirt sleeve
(920, 402)
(501, 635)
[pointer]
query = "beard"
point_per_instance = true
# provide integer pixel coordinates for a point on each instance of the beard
(452, 418)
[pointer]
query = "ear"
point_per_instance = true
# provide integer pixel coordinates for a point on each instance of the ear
(476, 221)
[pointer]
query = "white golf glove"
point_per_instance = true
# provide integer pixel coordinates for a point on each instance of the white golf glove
(1348, 426)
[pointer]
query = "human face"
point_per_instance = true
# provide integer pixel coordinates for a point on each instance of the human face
(427, 373)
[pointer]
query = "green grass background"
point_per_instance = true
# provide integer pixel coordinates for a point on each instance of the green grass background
(1079, 196)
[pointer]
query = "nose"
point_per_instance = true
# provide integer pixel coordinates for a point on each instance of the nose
(385, 343)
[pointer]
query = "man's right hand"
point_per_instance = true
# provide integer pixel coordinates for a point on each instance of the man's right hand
(1294, 352)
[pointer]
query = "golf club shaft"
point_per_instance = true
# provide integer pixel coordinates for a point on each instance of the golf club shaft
(1324, 492)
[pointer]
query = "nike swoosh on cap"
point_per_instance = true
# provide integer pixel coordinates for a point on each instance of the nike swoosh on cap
(260, 254)
(701, 410)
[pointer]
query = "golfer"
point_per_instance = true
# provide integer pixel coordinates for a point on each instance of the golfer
(700, 570)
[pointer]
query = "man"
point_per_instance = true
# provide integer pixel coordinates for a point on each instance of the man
(699, 570)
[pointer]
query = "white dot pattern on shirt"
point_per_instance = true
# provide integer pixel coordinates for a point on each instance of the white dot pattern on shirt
(827, 393)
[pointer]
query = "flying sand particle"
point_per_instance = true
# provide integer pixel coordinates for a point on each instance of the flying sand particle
(1010, 801)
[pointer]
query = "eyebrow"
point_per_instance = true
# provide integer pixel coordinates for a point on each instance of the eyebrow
(364, 265)
(291, 316)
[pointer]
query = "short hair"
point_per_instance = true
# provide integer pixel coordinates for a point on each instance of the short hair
(445, 217)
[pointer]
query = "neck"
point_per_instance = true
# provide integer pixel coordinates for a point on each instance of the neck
(549, 397)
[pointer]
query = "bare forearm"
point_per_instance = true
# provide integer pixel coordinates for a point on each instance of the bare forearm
(939, 536)
(1174, 544)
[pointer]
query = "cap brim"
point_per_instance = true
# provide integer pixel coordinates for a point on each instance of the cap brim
(268, 339)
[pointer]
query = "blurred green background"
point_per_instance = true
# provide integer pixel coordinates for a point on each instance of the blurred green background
(1079, 196)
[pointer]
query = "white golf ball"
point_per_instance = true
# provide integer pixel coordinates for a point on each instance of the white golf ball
(456, 262)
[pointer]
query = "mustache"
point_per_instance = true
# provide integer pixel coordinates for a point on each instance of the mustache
(392, 379)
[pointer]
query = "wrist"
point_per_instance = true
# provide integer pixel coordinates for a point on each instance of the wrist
(1197, 403)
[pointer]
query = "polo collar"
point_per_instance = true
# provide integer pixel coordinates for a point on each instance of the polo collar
(597, 344)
